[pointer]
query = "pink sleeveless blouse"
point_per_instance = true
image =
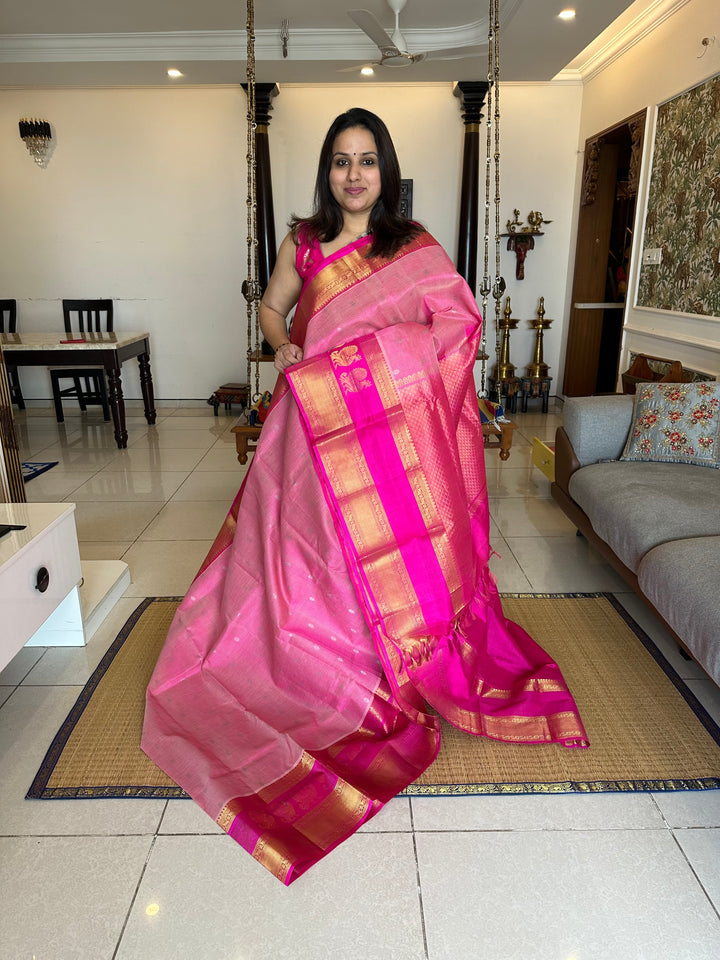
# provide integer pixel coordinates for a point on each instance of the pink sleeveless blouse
(308, 255)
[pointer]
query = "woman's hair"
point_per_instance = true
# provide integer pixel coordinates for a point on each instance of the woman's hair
(389, 227)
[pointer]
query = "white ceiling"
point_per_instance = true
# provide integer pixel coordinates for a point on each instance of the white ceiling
(133, 42)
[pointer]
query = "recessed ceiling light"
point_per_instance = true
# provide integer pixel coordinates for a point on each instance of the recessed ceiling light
(567, 14)
(174, 72)
(367, 71)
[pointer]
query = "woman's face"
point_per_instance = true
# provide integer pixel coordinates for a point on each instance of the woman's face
(354, 171)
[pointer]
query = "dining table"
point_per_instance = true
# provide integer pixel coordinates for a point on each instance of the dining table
(33, 348)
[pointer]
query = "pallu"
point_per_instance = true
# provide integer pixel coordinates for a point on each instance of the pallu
(346, 603)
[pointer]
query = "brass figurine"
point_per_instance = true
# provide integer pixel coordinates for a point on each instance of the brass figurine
(535, 221)
(521, 238)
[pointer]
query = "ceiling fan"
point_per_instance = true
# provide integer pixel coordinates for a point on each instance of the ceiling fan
(393, 49)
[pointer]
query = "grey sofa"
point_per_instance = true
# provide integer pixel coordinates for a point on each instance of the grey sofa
(657, 524)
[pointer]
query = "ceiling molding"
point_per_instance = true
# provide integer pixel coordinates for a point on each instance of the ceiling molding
(566, 77)
(305, 44)
(644, 24)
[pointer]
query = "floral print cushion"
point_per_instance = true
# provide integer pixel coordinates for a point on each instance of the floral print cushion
(676, 423)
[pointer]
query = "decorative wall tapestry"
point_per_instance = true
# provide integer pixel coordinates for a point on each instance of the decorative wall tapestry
(683, 217)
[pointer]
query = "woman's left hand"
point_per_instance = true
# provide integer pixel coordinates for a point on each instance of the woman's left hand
(286, 355)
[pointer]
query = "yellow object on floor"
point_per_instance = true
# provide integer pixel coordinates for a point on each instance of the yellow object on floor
(543, 456)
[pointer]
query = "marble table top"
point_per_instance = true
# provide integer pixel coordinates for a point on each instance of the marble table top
(51, 340)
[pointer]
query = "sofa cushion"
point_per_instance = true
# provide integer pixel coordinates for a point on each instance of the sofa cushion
(597, 427)
(676, 422)
(682, 581)
(634, 507)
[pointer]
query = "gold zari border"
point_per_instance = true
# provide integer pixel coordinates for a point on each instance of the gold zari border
(545, 729)
(534, 685)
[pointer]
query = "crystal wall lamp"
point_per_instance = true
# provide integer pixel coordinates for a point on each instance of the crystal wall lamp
(36, 135)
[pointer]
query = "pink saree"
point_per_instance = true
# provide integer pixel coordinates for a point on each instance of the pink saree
(349, 588)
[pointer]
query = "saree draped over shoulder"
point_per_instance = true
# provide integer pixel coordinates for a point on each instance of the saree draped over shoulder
(349, 588)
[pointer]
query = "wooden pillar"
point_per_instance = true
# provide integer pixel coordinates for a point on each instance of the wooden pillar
(472, 94)
(265, 211)
(267, 247)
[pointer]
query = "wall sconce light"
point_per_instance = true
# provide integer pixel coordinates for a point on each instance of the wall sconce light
(36, 135)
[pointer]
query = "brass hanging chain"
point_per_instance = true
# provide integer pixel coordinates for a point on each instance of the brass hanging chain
(486, 286)
(499, 282)
(251, 286)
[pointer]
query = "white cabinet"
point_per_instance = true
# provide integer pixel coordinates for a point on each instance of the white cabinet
(39, 576)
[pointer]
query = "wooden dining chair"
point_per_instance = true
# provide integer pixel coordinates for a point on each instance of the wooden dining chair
(8, 321)
(89, 385)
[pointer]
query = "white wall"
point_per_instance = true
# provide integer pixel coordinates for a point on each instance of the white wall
(662, 65)
(143, 200)
(423, 120)
(538, 169)
(539, 163)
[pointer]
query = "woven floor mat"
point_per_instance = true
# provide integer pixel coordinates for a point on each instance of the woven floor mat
(647, 730)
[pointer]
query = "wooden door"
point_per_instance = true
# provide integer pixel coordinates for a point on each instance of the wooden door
(604, 240)
(589, 281)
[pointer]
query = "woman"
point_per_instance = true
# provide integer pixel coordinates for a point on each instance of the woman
(349, 585)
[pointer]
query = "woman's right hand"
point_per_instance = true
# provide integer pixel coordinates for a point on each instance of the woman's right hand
(286, 355)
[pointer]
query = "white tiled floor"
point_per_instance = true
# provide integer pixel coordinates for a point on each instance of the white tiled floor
(598, 877)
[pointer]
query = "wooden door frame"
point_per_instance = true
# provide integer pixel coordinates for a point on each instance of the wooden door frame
(594, 224)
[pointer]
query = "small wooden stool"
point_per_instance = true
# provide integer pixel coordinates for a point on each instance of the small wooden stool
(246, 438)
(534, 388)
(228, 394)
(509, 389)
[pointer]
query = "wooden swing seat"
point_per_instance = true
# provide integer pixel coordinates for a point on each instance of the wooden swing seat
(499, 435)
(494, 435)
(246, 438)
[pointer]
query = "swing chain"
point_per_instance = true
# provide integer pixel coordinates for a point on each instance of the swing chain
(495, 286)
(251, 287)
(493, 152)
(251, 290)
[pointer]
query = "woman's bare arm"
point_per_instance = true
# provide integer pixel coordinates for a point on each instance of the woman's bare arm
(280, 297)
